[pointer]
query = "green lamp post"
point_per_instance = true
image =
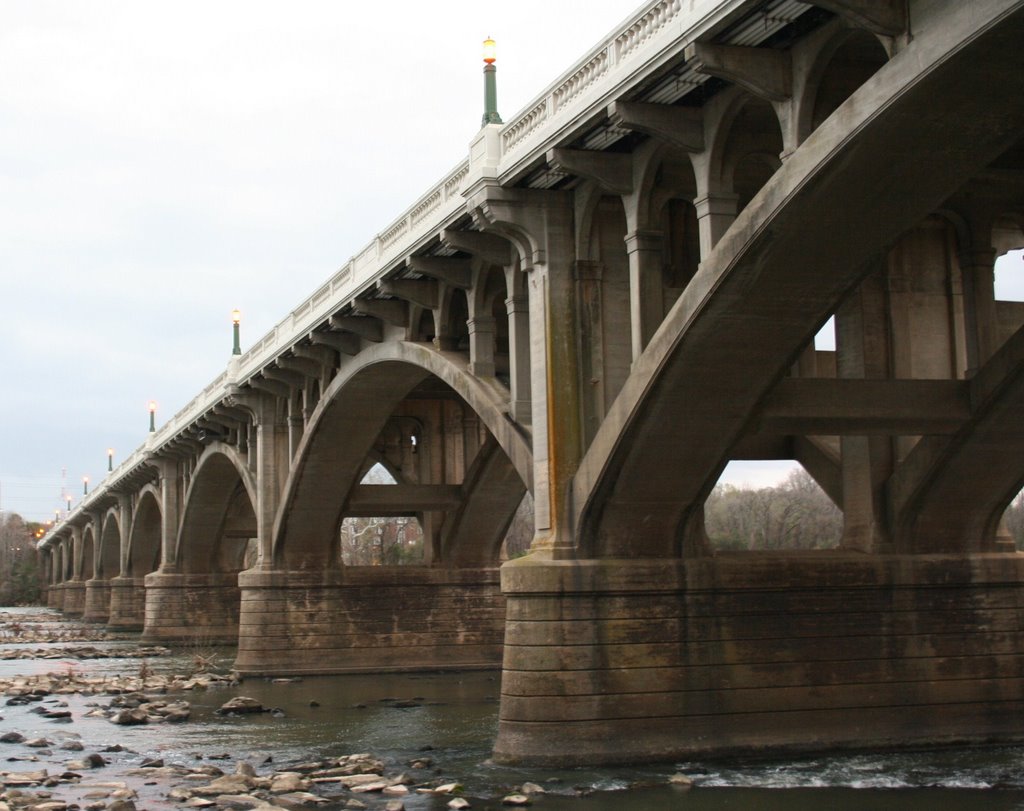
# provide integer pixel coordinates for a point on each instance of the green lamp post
(236, 319)
(490, 85)
(152, 416)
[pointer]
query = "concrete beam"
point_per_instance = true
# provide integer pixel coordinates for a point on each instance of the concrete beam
(766, 73)
(369, 500)
(885, 17)
(490, 248)
(320, 354)
(829, 407)
(449, 269)
(391, 311)
(682, 127)
(417, 291)
(269, 386)
(612, 171)
(368, 328)
(287, 376)
(345, 342)
(303, 366)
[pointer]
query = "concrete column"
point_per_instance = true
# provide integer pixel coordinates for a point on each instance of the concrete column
(273, 459)
(715, 213)
(518, 310)
(557, 389)
(124, 512)
(646, 296)
(977, 267)
(866, 462)
(481, 346)
(170, 513)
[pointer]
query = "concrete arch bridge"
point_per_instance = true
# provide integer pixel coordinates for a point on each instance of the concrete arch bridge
(614, 296)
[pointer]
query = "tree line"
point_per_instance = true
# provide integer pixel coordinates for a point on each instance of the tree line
(19, 563)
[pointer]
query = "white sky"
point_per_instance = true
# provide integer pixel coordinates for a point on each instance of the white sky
(161, 164)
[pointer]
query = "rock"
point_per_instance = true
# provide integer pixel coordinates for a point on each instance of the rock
(394, 805)
(240, 705)
(356, 780)
(199, 802)
(55, 805)
(421, 763)
(152, 763)
(680, 780)
(72, 746)
(95, 761)
(531, 788)
(245, 768)
(12, 737)
(38, 743)
(299, 799)
(228, 784)
(241, 801)
(131, 717)
(365, 788)
(288, 782)
(354, 803)
(396, 790)
(458, 803)
(448, 788)
(121, 805)
(314, 703)
(516, 799)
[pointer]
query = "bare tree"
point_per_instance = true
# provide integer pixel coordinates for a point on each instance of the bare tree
(793, 515)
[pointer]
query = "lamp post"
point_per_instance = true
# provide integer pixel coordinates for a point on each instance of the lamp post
(110, 459)
(236, 319)
(490, 85)
(69, 505)
(152, 416)
(85, 485)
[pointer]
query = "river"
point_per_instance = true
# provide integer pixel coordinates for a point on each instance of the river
(451, 718)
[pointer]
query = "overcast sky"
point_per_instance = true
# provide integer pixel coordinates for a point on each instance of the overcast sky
(162, 164)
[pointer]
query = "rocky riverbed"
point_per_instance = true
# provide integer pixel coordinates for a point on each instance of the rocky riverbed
(65, 767)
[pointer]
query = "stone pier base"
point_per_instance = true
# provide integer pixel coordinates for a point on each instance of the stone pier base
(74, 598)
(613, 661)
(55, 596)
(97, 600)
(127, 603)
(369, 619)
(195, 608)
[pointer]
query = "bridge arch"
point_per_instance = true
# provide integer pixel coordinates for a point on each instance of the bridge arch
(768, 288)
(86, 563)
(219, 515)
(351, 414)
(108, 556)
(145, 537)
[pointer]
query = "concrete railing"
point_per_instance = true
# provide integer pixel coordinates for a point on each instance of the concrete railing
(659, 31)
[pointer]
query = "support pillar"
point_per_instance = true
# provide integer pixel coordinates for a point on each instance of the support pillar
(517, 307)
(646, 295)
(715, 213)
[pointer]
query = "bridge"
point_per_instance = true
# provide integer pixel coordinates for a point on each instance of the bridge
(613, 296)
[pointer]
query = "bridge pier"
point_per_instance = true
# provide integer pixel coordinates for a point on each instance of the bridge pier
(97, 600)
(127, 603)
(55, 596)
(74, 598)
(369, 619)
(200, 608)
(752, 652)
